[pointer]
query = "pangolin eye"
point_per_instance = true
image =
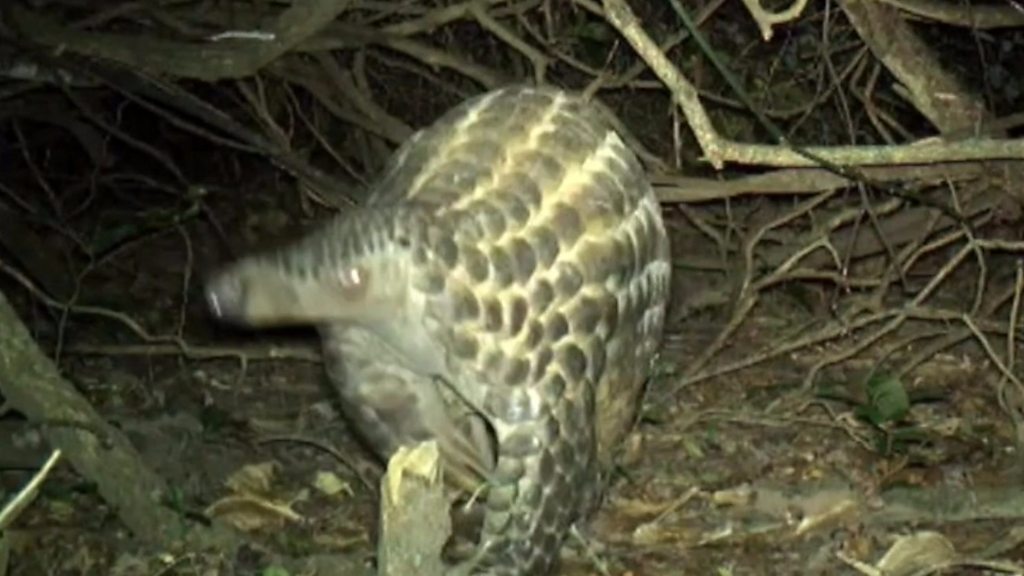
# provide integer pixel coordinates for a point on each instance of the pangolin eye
(353, 280)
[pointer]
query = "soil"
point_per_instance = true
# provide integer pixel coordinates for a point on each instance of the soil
(747, 473)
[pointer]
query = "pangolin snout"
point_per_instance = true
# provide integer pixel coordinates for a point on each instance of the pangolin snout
(225, 294)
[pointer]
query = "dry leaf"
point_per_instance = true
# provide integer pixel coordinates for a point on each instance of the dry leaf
(249, 513)
(915, 552)
(253, 478)
(331, 484)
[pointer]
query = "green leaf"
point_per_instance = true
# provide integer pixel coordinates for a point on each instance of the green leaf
(596, 31)
(887, 399)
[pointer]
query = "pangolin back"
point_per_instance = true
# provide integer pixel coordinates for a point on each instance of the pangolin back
(504, 291)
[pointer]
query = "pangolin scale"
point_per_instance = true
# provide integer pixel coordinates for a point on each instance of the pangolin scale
(503, 290)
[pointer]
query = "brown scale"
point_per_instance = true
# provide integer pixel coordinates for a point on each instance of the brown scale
(510, 252)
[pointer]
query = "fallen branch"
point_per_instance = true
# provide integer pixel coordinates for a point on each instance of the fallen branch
(226, 55)
(98, 451)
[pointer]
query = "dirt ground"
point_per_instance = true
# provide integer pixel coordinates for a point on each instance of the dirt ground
(747, 473)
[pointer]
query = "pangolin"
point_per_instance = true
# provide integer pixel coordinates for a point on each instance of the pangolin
(502, 290)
